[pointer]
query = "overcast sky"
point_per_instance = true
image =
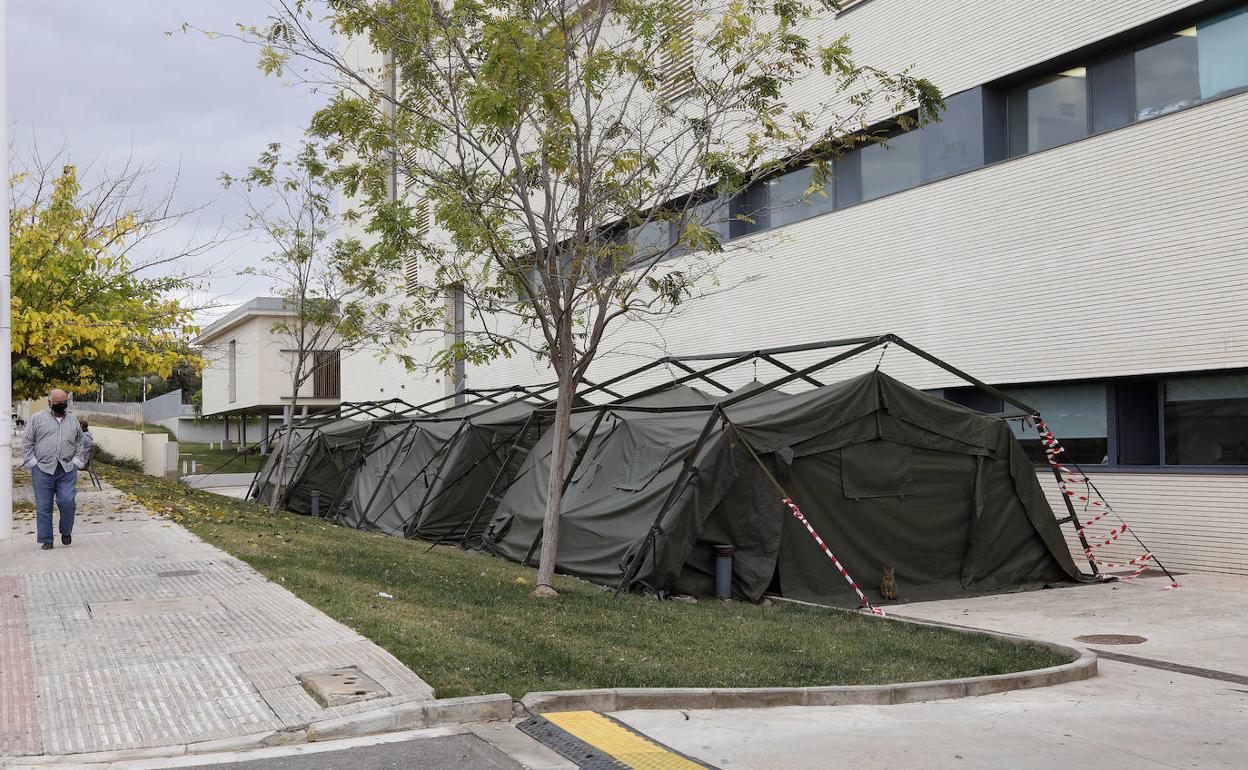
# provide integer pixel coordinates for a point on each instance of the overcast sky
(101, 80)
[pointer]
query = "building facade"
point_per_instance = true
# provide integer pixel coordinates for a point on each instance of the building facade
(1074, 230)
(248, 365)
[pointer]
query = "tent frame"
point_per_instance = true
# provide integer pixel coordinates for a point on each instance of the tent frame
(857, 345)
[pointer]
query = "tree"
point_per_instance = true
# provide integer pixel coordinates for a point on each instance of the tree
(334, 292)
(559, 144)
(93, 300)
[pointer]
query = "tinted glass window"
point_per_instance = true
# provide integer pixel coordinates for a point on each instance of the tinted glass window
(711, 215)
(1223, 45)
(1049, 113)
(956, 141)
(1207, 420)
(749, 211)
(1111, 86)
(1167, 76)
(790, 198)
(892, 167)
(650, 239)
(1077, 415)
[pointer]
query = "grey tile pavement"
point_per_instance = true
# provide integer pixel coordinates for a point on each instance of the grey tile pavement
(159, 673)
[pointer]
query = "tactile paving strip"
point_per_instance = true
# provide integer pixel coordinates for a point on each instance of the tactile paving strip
(595, 741)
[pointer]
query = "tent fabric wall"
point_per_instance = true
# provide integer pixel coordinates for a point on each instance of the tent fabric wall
(890, 476)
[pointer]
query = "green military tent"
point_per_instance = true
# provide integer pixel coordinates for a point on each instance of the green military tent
(432, 477)
(321, 460)
(889, 476)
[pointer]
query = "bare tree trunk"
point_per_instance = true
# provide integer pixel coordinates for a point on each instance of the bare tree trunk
(554, 489)
(280, 488)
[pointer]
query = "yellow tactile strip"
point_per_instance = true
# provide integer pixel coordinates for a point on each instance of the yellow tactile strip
(620, 743)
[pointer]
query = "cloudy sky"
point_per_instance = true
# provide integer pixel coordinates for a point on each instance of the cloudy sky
(101, 81)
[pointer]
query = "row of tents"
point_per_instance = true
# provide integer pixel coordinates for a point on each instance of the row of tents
(889, 476)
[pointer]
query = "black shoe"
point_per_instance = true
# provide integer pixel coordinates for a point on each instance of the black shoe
(67, 539)
(46, 546)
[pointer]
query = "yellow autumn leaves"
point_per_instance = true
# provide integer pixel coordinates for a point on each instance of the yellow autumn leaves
(81, 314)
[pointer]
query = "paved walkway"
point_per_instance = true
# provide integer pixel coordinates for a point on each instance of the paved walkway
(140, 634)
(1132, 715)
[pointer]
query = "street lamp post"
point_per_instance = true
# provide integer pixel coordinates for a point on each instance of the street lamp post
(6, 305)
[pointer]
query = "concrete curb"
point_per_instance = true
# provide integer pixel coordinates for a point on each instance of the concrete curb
(404, 716)
(1084, 666)
(500, 707)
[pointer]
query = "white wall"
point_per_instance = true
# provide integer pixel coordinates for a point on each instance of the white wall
(1088, 260)
(119, 442)
(263, 366)
(1191, 522)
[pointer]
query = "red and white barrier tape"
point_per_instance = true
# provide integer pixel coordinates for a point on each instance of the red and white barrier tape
(1069, 475)
(797, 514)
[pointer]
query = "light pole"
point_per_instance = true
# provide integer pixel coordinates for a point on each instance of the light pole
(6, 304)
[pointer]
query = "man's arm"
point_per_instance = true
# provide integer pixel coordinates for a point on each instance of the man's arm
(28, 443)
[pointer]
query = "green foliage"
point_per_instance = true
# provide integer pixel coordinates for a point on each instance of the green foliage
(546, 140)
(83, 311)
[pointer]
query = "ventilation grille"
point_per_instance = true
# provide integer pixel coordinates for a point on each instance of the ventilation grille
(411, 268)
(678, 56)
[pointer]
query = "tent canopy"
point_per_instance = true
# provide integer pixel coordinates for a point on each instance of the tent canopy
(888, 475)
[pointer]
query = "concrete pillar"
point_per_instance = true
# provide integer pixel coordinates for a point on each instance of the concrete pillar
(264, 433)
(242, 425)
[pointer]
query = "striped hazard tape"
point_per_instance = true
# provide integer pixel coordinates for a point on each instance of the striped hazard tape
(797, 514)
(1091, 500)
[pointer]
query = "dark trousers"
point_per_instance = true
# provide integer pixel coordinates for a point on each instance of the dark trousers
(61, 486)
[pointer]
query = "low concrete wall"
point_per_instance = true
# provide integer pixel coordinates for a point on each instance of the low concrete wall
(120, 443)
(154, 451)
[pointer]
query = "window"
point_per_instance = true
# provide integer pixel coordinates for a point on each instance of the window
(1167, 75)
(1221, 42)
(749, 211)
(1051, 112)
(233, 370)
(1075, 413)
(892, 167)
(326, 374)
(1206, 420)
(956, 141)
(650, 239)
(711, 215)
(1192, 64)
(791, 199)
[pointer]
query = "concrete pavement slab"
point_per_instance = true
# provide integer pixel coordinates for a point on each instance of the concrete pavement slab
(141, 635)
(1138, 716)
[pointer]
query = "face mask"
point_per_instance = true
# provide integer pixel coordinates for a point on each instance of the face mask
(59, 408)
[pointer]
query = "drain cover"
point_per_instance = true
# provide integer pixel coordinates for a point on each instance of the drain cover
(339, 686)
(1111, 639)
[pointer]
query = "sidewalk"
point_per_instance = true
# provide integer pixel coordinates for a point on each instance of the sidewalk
(141, 635)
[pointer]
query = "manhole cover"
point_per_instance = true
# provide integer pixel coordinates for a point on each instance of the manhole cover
(339, 686)
(1111, 639)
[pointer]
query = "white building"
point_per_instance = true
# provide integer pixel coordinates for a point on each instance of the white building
(1075, 230)
(248, 365)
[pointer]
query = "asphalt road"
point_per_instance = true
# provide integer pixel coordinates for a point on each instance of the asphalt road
(456, 752)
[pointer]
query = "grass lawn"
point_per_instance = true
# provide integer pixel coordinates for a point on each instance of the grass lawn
(218, 460)
(467, 624)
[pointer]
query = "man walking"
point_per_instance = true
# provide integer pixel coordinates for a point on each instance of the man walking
(54, 452)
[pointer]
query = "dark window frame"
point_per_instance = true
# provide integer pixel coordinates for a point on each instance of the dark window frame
(959, 395)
